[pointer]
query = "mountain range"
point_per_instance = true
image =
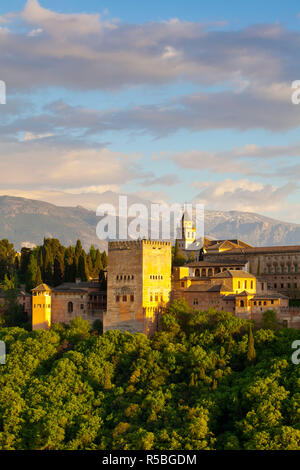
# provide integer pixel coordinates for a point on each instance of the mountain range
(27, 222)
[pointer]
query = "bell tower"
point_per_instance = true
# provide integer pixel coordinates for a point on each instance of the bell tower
(188, 232)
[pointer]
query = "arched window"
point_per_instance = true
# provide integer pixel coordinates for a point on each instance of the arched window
(70, 307)
(242, 303)
(197, 272)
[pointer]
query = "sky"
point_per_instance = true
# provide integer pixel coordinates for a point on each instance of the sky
(172, 101)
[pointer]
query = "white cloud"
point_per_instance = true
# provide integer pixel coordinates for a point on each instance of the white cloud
(36, 164)
(244, 195)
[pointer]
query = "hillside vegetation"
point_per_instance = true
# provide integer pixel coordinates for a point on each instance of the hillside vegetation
(203, 382)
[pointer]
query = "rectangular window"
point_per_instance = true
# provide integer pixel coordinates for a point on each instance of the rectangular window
(117, 298)
(124, 298)
(132, 298)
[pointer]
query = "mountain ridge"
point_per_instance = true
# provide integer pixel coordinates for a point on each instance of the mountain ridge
(28, 221)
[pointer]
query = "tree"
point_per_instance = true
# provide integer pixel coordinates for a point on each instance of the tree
(251, 354)
(39, 279)
(83, 271)
(25, 255)
(178, 257)
(7, 258)
(78, 249)
(32, 273)
(90, 264)
(93, 254)
(14, 314)
(98, 265)
(58, 273)
(48, 266)
(70, 265)
(104, 259)
(269, 320)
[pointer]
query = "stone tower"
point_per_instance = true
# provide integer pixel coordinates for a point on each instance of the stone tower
(41, 307)
(138, 285)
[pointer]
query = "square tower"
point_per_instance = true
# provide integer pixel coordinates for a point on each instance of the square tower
(41, 307)
(138, 285)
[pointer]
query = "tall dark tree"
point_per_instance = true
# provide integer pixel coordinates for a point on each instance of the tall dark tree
(251, 354)
(93, 254)
(90, 264)
(78, 248)
(104, 259)
(39, 279)
(98, 265)
(25, 255)
(7, 258)
(58, 272)
(70, 264)
(48, 266)
(31, 274)
(83, 272)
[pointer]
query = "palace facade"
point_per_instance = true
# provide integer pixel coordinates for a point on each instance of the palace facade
(229, 275)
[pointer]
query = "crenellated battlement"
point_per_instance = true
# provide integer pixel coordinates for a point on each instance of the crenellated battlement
(135, 244)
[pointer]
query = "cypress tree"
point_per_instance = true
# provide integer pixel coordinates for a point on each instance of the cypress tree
(90, 265)
(83, 272)
(98, 266)
(25, 255)
(39, 279)
(93, 254)
(48, 266)
(251, 354)
(104, 259)
(40, 259)
(32, 271)
(70, 265)
(78, 249)
(58, 274)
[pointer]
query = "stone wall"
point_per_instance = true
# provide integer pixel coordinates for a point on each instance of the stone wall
(138, 285)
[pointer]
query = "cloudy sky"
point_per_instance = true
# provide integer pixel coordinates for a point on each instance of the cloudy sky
(172, 101)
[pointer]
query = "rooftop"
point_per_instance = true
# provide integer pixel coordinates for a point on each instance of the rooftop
(41, 288)
(234, 273)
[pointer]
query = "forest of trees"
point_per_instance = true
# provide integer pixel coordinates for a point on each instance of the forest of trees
(51, 263)
(206, 380)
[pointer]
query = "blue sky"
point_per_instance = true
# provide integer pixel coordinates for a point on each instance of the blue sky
(171, 101)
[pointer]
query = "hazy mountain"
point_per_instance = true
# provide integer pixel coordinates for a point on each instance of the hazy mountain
(28, 221)
(255, 229)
